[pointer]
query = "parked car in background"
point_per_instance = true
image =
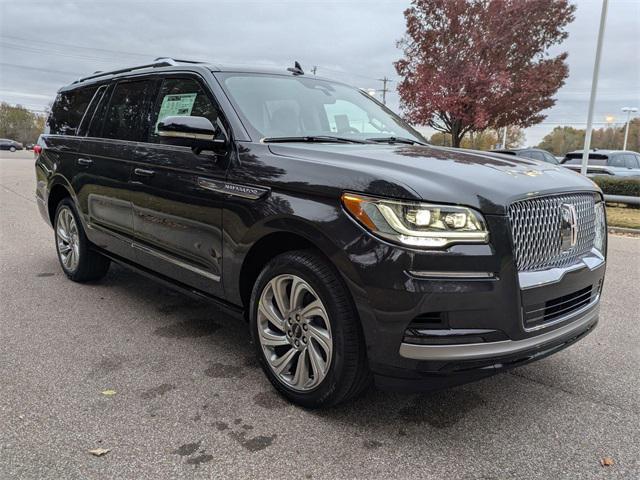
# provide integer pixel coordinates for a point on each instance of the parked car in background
(356, 251)
(29, 146)
(533, 153)
(11, 145)
(622, 163)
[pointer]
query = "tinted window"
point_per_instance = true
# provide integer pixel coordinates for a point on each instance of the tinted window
(124, 117)
(88, 114)
(67, 111)
(182, 96)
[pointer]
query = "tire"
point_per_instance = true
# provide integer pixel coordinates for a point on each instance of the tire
(12, 149)
(333, 375)
(78, 260)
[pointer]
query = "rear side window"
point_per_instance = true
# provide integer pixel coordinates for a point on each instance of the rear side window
(182, 96)
(67, 111)
(630, 160)
(595, 159)
(616, 161)
(128, 106)
(90, 111)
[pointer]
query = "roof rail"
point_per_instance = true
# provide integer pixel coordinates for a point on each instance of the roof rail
(158, 62)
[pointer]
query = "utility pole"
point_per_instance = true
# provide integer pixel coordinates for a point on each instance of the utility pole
(384, 90)
(504, 137)
(594, 89)
(628, 111)
(314, 69)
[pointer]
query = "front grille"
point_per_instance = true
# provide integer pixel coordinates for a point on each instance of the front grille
(536, 229)
(558, 307)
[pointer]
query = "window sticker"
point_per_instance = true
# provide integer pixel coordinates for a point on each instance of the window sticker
(176, 104)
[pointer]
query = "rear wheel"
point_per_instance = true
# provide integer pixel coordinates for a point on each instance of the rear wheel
(78, 261)
(307, 335)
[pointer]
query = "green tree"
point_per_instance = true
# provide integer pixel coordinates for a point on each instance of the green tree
(562, 140)
(566, 139)
(20, 124)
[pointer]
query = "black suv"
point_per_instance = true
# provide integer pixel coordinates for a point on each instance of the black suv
(357, 252)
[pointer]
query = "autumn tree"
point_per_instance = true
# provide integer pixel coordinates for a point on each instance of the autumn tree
(18, 123)
(470, 65)
(481, 140)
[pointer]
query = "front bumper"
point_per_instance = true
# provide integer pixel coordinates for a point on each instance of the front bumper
(472, 292)
(579, 322)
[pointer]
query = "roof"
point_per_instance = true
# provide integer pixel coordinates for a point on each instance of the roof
(170, 64)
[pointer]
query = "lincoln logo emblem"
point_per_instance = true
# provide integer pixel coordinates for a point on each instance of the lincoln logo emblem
(569, 226)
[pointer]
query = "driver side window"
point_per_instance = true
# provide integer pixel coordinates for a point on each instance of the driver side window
(181, 96)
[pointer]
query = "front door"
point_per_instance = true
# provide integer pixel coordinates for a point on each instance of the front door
(177, 216)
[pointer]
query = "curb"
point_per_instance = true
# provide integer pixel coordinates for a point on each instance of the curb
(632, 231)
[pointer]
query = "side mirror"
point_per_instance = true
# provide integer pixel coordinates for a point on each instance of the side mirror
(195, 132)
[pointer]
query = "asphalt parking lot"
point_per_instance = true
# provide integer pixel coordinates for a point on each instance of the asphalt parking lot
(190, 401)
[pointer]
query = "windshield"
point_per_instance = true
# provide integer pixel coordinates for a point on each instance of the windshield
(276, 106)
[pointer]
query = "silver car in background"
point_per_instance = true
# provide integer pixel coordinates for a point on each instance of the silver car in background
(620, 163)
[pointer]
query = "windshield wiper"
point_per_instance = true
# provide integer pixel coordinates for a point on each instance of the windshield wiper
(313, 139)
(406, 140)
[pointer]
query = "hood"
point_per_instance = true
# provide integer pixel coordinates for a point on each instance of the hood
(486, 181)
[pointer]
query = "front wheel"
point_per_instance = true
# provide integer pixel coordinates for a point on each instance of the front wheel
(78, 261)
(12, 149)
(306, 332)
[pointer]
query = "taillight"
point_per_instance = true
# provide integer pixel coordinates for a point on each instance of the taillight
(37, 150)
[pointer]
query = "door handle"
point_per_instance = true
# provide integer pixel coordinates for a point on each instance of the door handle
(85, 161)
(143, 173)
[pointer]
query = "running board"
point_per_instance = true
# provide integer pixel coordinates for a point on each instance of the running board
(228, 308)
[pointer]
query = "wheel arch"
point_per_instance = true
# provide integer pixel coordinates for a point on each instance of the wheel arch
(276, 242)
(58, 191)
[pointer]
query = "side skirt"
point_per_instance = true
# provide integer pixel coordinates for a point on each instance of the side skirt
(228, 308)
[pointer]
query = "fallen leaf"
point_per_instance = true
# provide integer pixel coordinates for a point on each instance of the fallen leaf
(606, 461)
(109, 393)
(98, 452)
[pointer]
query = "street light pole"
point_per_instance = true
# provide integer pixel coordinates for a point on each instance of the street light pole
(628, 111)
(594, 88)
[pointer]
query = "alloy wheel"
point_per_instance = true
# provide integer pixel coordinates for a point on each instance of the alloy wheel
(294, 332)
(68, 239)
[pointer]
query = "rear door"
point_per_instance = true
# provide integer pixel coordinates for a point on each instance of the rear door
(177, 216)
(106, 160)
(61, 142)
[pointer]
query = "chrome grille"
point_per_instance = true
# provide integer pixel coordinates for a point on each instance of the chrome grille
(536, 230)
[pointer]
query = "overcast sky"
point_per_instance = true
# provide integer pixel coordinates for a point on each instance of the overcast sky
(46, 44)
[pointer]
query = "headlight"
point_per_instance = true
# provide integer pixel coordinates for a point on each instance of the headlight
(600, 239)
(417, 224)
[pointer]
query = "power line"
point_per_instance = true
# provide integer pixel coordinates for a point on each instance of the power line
(384, 89)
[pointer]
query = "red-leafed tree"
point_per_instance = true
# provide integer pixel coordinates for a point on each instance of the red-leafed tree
(473, 64)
